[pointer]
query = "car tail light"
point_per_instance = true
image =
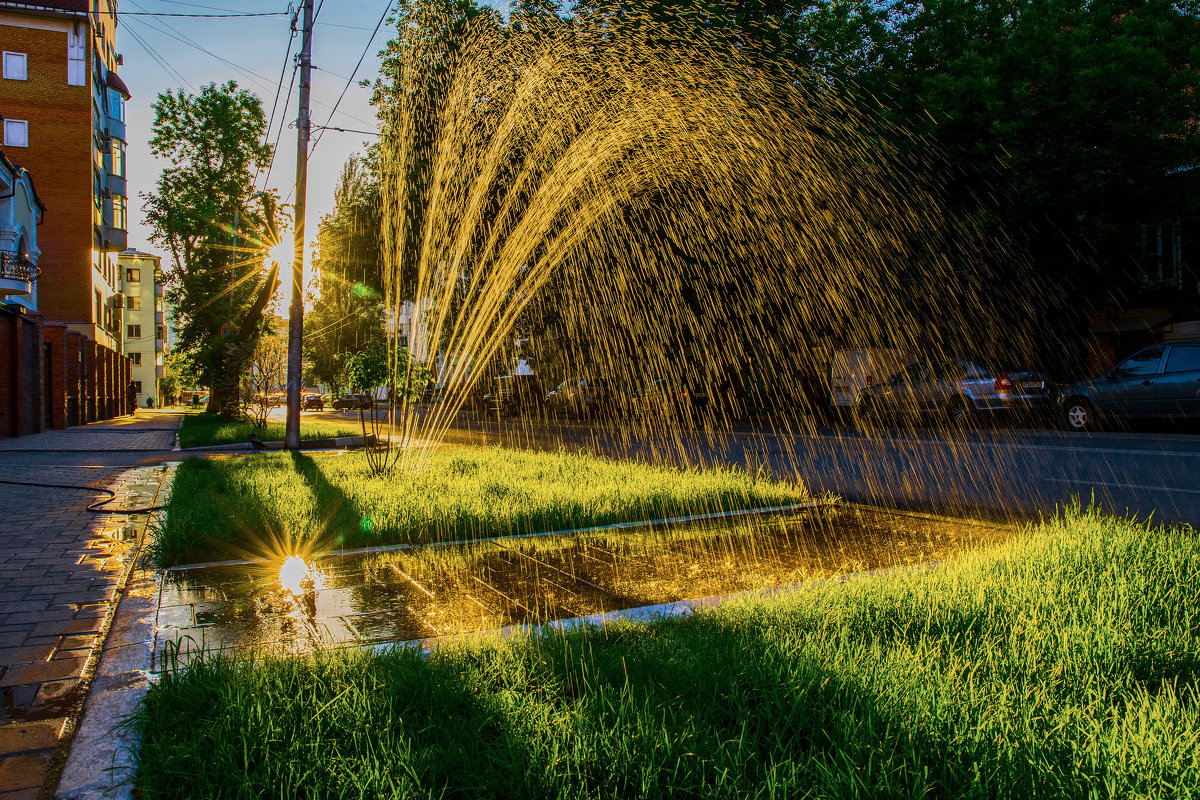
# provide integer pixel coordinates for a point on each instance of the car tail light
(1003, 384)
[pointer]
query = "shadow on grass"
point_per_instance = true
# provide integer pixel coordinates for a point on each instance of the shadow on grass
(216, 512)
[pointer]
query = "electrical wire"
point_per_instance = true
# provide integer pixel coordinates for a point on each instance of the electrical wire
(274, 105)
(350, 80)
(160, 60)
(207, 16)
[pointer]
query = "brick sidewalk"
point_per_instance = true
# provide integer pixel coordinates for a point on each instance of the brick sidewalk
(60, 571)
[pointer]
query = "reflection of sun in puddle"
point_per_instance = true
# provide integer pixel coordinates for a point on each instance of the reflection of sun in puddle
(292, 574)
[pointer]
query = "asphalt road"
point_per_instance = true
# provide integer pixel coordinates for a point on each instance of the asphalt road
(1023, 472)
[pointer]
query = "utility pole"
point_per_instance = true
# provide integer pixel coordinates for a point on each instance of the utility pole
(291, 436)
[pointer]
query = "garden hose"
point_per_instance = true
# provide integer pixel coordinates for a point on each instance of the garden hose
(96, 507)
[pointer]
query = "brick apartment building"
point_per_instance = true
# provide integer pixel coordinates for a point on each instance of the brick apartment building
(64, 121)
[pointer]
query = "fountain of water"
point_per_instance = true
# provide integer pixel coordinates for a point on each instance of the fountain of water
(632, 202)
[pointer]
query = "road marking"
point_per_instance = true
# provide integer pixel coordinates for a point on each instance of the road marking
(1084, 482)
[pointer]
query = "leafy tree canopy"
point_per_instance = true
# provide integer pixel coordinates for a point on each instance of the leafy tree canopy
(205, 211)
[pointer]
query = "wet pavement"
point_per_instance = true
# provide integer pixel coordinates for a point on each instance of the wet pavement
(425, 593)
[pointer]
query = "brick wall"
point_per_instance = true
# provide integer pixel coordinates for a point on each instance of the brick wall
(21, 373)
(59, 157)
(45, 375)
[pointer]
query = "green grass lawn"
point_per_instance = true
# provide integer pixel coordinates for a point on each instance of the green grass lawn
(204, 430)
(1061, 664)
(277, 503)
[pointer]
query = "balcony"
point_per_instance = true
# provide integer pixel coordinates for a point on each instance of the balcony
(158, 346)
(159, 318)
(17, 274)
(160, 372)
(113, 239)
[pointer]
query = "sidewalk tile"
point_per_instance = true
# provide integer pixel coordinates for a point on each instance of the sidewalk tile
(20, 737)
(22, 772)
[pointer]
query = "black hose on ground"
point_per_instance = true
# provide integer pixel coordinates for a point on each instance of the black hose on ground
(96, 507)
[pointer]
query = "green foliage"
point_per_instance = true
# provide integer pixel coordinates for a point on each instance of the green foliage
(368, 368)
(1079, 117)
(217, 231)
(320, 502)
(1061, 665)
(347, 308)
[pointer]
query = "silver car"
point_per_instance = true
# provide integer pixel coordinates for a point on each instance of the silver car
(1157, 382)
(954, 390)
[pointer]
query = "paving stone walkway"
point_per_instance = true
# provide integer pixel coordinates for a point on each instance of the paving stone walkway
(61, 570)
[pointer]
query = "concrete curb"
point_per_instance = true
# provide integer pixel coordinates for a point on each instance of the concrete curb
(102, 760)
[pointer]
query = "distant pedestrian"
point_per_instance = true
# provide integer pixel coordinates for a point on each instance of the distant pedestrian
(149, 402)
(132, 390)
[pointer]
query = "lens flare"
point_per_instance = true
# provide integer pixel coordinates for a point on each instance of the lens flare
(292, 574)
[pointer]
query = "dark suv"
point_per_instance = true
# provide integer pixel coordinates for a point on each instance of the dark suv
(1161, 381)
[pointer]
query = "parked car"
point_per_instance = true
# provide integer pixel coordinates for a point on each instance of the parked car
(582, 398)
(313, 402)
(669, 398)
(352, 402)
(1161, 381)
(852, 371)
(953, 390)
(514, 394)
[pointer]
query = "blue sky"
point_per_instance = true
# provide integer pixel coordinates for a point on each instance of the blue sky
(162, 53)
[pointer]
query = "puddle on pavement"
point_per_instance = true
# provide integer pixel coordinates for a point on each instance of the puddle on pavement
(420, 593)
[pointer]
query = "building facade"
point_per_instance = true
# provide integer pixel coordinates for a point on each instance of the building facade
(63, 109)
(22, 347)
(64, 120)
(145, 332)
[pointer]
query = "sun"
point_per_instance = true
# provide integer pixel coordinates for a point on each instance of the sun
(281, 253)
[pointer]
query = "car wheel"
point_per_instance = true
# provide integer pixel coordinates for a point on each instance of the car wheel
(959, 413)
(1079, 414)
(866, 415)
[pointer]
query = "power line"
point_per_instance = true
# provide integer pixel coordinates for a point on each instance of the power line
(345, 130)
(160, 60)
(274, 105)
(282, 125)
(196, 5)
(254, 76)
(350, 80)
(210, 16)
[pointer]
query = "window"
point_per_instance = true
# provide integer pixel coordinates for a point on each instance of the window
(1139, 364)
(15, 66)
(136, 358)
(133, 302)
(118, 158)
(116, 105)
(133, 331)
(76, 52)
(16, 133)
(133, 275)
(120, 213)
(99, 303)
(1184, 358)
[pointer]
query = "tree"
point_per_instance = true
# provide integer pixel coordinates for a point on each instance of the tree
(1079, 118)
(347, 309)
(266, 376)
(217, 229)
